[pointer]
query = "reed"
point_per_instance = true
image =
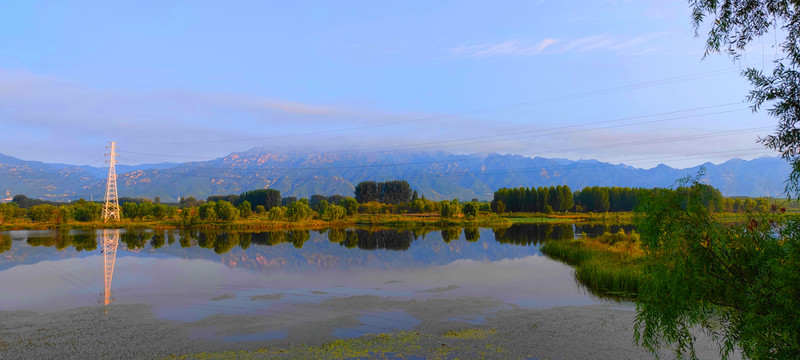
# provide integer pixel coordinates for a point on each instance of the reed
(610, 264)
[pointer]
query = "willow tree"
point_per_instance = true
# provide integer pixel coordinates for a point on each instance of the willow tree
(741, 283)
(732, 26)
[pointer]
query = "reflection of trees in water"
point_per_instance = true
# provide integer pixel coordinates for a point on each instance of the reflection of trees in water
(134, 239)
(223, 241)
(472, 234)
(451, 234)
(158, 240)
(336, 235)
(373, 240)
(63, 239)
(5, 243)
(186, 237)
(220, 242)
(269, 238)
(298, 237)
(244, 240)
(422, 231)
(533, 234)
(593, 230)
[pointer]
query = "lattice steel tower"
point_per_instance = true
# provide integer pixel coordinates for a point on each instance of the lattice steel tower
(111, 207)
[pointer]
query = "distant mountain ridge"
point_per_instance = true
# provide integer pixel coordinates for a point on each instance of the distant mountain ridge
(437, 175)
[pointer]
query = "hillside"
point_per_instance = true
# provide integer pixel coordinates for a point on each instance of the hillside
(437, 175)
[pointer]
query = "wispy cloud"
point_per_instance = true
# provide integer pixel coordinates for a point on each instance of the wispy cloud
(46, 118)
(510, 47)
(629, 46)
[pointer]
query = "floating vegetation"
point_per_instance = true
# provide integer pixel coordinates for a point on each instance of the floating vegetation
(472, 343)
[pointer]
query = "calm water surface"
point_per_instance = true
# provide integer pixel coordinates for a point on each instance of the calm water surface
(190, 275)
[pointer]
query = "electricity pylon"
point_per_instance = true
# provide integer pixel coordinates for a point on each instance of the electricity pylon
(111, 207)
(110, 242)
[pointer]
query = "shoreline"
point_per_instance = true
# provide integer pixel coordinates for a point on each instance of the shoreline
(382, 220)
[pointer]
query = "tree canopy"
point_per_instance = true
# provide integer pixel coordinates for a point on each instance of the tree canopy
(389, 192)
(740, 283)
(735, 24)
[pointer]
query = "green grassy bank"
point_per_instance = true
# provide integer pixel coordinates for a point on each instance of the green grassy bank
(609, 265)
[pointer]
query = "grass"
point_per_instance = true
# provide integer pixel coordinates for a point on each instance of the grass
(609, 265)
(262, 223)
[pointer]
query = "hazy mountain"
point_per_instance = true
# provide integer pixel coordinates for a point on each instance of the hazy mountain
(437, 175)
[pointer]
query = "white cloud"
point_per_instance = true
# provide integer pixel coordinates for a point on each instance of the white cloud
(629, 46)
(510, 47)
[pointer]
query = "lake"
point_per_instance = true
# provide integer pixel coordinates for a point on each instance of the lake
(189, 276)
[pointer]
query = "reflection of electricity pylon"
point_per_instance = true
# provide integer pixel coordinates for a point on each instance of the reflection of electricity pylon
(111, 207)
(110, 242)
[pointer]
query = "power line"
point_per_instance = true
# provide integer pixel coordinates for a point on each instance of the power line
(490, 171)
(636, 86)
(518, 170)
(472, 158)
(539, 133)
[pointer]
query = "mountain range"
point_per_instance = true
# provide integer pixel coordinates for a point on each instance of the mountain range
(436, 175)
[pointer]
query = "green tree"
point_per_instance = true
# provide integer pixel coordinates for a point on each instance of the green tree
(189, 217)
(7, 211)
(226, 211)
(146, 209)
(260, 209)
(277, 213)
(498, 206)
(470, 210)
(42, 213)
(315, 200)
(367, 191)
(446, 211)
(83, 210)
(741, 282)
(245, 209)
(207, 212)
(321, 206)
(130, 210)
(334, 212)
(350, 205)
(566, 198)
(268, 198)
(298, 211)
(64, 214)
(188, 202)
(160, 211)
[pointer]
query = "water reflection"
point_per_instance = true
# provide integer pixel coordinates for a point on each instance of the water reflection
(180, 271)
(222, 241)
(5, 243)
(110, 243)
(533, 234)
(65, 238)
(592, 230)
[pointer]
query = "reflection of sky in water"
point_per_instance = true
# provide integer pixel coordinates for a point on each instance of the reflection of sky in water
(189, 284)
(379, 322)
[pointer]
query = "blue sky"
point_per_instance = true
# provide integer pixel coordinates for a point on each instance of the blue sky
(195, 80)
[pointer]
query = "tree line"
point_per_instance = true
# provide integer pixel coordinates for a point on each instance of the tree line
(370, 197)
(608, 199)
